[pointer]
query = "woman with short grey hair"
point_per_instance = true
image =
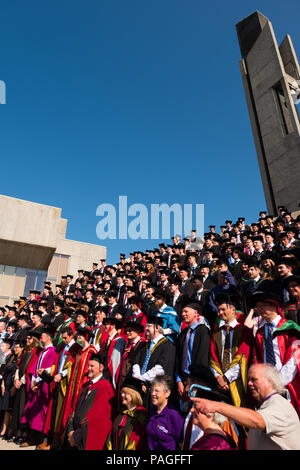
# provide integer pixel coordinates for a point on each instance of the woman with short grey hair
(165, 425)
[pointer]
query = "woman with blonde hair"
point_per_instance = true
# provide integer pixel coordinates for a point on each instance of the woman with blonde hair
(129, 427)
(268, 267)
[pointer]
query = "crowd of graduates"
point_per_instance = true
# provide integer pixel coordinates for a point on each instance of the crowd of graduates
(111, 358)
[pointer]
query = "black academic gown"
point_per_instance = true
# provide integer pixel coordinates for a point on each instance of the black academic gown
(200, 351)
(56, 321)
(21, 394)
(163, 354)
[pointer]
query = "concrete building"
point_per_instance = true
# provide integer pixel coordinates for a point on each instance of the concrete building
(34, 248)
(271, 79)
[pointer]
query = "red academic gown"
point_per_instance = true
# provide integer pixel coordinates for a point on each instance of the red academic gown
(77, 380)
(139, 318)
(100, 336)
(70, 359)
(288, 333)
(242, 343)
(109, 363)
(94, 426)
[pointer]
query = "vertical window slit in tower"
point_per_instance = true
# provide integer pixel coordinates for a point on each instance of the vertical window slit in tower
(284, 112)
(297, 103)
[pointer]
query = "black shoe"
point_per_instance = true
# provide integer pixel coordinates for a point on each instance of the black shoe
(18, 440)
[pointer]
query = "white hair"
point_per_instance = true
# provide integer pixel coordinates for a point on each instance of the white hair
(272, 376)
(163, 380)
(219, 419)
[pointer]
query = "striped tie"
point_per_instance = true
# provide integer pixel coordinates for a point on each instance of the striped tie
(185, 354)
(147, 358)
(226, 352)
(270, 356)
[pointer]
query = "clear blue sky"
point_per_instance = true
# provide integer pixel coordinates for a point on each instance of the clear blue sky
(138, 98)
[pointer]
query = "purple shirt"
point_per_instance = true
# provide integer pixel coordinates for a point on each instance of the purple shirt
(165, 429)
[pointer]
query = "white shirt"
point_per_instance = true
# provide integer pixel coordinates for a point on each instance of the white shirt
(270, 245)
(175, 298)
(93, 339)
(289, 370)
(62, 359)
(199, 292)
(196, 431)
(150, 374)
(94, 381)
(41, 357)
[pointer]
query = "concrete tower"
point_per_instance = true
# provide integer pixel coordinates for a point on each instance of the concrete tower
(271, 79)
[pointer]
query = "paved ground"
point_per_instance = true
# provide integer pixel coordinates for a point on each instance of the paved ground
(11, 446)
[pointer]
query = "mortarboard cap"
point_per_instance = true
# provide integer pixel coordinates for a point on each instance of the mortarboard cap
(258, 238)
(134, 384)
(9, 341)
(98, 357)
(86, 332)
(35, 333)
(49, 330)
(289, 279)
(155, 320)
(113, 321)
(264, 296)
(136, 326)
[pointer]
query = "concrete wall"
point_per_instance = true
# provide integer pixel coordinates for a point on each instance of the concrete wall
(29, 223)
(82, 255)
(30, 235)
(17, 281)
(274, 119)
